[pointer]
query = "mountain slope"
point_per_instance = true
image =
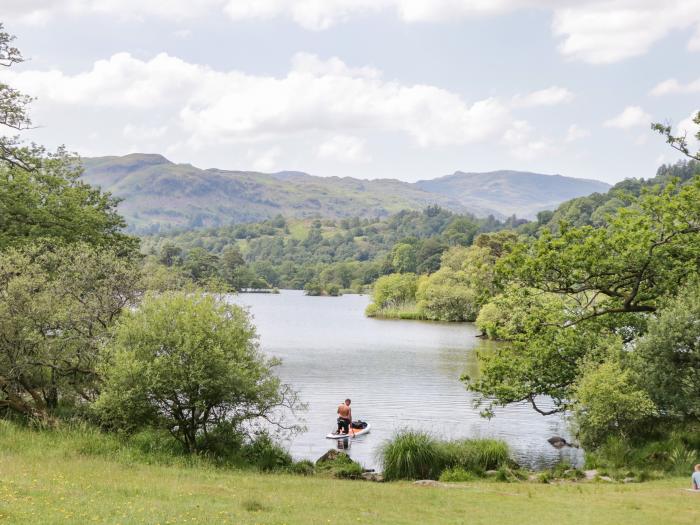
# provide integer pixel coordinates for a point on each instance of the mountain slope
(511, 192)
(159, 194)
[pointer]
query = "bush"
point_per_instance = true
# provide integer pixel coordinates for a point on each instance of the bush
(457, 474)
(188, 363)
(412, 455)
(672, 451)
(351, 471)
(417, 455)
(395, 290)
(265, 454)
(476, 455)
(303, 468)
(340, 466)
(608, 403)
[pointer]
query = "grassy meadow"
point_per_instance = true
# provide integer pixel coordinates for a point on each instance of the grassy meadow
(70, 477)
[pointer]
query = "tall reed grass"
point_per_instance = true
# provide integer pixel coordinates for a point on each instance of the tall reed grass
(418, 455)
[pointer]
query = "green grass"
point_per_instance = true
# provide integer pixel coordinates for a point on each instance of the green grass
(409, 311)
(417, 455)
(53, 478)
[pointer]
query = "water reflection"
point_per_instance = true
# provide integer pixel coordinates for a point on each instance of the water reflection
(399, 374)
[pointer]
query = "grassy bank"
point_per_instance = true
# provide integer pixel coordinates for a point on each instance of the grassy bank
(50, 478)
(409, 311)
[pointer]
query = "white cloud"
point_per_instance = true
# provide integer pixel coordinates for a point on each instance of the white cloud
(344, 148)
(631, 116)
(144, 133)
(607, 31)
(42, 11)
(522, 144)
(231, 106)
(690, 129)
(182, 34)
(672, 86)
(595, 31)
(550, 96)
(575, 133)
(267, 161)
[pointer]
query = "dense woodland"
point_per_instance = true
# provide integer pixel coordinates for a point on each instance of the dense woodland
(320, 255)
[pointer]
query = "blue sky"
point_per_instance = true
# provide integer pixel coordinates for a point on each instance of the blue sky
(406, 89)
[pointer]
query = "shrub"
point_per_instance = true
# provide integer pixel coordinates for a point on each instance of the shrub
(412, 455)
(417, 455)
(303, 468)
(265, 454)
(350, 471)
(340, 466)
(457, 474)
(476, 455)
(608, 403)
(188, 363)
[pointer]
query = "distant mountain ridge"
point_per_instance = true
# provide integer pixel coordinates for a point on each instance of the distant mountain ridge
(158, 193)
(511, 192)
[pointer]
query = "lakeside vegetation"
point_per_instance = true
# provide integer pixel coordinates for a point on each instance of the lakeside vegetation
(318, 255)
(58, 480)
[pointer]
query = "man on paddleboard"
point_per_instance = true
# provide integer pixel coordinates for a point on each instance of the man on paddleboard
(344, 417)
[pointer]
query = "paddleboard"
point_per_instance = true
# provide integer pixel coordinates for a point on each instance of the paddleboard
(354, 432)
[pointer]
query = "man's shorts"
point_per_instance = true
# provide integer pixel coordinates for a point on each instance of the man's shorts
(344, 424)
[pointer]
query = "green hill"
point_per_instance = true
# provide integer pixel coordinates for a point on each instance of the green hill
(158, 194)
(510, 192)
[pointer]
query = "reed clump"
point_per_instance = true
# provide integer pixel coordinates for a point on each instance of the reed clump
(418, 455)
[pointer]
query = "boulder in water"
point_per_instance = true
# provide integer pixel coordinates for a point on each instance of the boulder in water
(558, 442)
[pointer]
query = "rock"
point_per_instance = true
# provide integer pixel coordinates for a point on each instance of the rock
(607, 479)
(628, 480)
(372, 476)
(331, 455)
(590, 474)
(558, 442)
(491, 473)
(427, 483)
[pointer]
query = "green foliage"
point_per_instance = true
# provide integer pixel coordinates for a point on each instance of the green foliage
(518, 313)
(441, 301)
(664, 449)
(187, 363)
(597, 287)
(596, 209)
(341, 466)
(546, 362)
(412, 455)
(608, 403)
(417, 455)
(51, 202)
(476, 455)
(395, 290)
(643, 254)
(457, 474)
(263, 453)
(667, 358)
(345, 253)
(56, 304)
(403, 258)
(302, 468)
(679, 142)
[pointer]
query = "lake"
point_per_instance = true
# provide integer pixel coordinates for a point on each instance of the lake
(399, 374)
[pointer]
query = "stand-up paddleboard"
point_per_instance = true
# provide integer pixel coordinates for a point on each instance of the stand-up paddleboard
(354, 432)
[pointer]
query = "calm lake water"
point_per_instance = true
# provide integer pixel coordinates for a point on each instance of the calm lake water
(399, 374)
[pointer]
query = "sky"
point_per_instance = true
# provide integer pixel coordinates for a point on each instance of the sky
(406, 89)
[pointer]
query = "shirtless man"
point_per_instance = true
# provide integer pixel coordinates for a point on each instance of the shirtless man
(344, 417)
